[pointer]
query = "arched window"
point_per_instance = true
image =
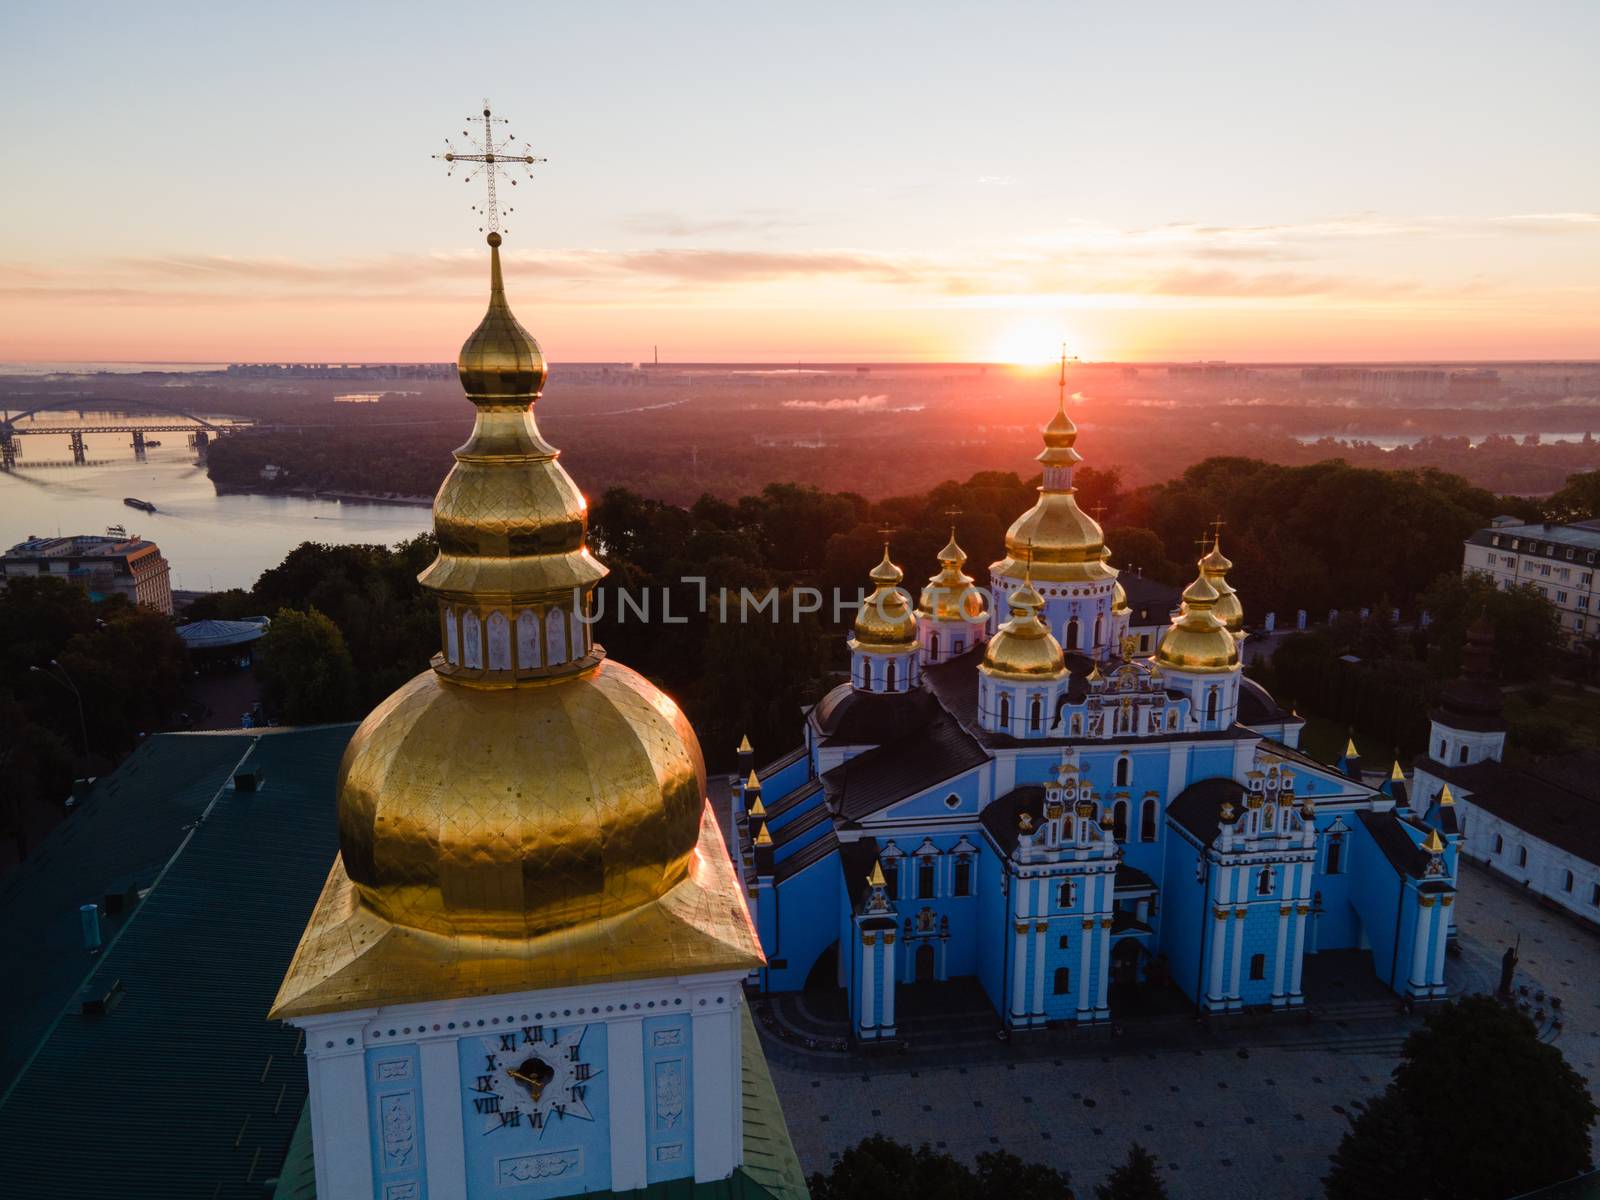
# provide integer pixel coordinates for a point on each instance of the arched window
(1147, 820)
(1122, 771)
(927, 864)
(1119, 820)
(933, 645)
(499, 642)
(963, 879)
(1522, 856)
(1035, 714)
(1005, 711)
(1443, 749)
(1063, 981)
(1211, 704)
(452, 637)
(1072, 634)
(471, 641)
(1264, 882)
(888, 677)
(1463, 754)
(1099, 630)
(1258, 966)
(1499, 844)
(1065, 895)
(529, 651)
(891, 877)
(1335, 853)
(1567, 883)
(555, 635)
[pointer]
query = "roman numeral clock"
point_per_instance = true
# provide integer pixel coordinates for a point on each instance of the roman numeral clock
(528, 1083)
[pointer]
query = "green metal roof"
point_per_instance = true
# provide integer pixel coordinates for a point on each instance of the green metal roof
(183, 1088)
(122, 835)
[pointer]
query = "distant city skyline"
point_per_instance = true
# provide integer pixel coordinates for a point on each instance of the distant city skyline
(850, 183)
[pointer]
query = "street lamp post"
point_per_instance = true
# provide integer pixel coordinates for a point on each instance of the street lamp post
(65, 680)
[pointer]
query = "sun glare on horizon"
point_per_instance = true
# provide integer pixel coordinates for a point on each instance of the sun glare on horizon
(1031, 346)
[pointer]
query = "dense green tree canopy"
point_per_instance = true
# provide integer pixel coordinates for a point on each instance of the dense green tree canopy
(1137, 1178)
(307, 676)
(1479, 1109)
(879, 1168)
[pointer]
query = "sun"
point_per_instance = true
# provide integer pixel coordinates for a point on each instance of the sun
(1028, 345)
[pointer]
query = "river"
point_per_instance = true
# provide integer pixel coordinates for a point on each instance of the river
(211, 541)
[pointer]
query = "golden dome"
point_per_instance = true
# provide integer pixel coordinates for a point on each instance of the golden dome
(507, 824)
(1197, 641)
(949, 594)
(1061, 542)
(1119, 599)
(885, 622)
(500, 358)
(1228, 608)
(1023, 647)
(513, 813)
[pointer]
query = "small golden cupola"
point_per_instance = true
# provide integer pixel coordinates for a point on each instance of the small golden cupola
(1023, 648)
(527, 812)
(1197, 642)
(949, 594)
(885, 621)
(1215, 567)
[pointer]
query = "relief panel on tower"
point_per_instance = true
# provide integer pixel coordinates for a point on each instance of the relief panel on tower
(394, 1091)
(536, 1110)
(668, 1099)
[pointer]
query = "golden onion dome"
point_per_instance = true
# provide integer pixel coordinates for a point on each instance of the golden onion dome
(885, 622)
(500, 358)
(509, 814)
(1228, 608)
(1023, 647)
(949, 595)
(1119, 599)
(1197, 641)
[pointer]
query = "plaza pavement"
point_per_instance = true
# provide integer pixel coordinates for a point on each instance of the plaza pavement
(1231, 1112)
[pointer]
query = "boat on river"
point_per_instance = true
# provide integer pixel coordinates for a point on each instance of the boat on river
(135, 502)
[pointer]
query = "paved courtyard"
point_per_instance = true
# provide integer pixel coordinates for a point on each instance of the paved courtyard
(1229, 1112)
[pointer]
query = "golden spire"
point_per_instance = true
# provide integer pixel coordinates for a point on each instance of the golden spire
(1350, 750)
(1434, 844)
(744, 745)
(1215, 567)
(1396, 775)
(1446, 796)
(763, 838)
(752, 784)
(758, 809)
(949, 595)
(885, 621)
(876, 879)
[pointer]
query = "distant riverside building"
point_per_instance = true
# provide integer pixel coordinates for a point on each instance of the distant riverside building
(102, 566)
(1560, 560)
(1538, 825)
(1418, 383)
(1008, 790)
(341, 370)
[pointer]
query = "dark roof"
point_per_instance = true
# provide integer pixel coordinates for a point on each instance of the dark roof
(1257, 707)
(797, 828)
(213, 635)
(1131, 879)
(1404, 855)
(1198, 807)
(1000, 817)
(852, 717)
(872, 781)
(955, 683)
(121, 836)
(1556, 799)
(195, 1093)
(800, 794)
(778, 764)
(807, 856)
(1151, 600)
(855, 860)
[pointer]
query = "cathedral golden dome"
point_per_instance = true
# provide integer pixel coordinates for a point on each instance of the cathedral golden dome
(1119, 599)
(885, 621)
(1063, 543)
(526, 813)
(949, 594)
(1023, 647)
(1197, 641)
(1215, 566)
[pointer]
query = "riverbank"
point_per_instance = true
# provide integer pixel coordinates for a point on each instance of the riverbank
(307, 493)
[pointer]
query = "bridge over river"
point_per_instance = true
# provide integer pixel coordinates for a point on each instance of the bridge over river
(160, 419)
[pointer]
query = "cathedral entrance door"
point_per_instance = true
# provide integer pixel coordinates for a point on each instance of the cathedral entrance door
(925, 968)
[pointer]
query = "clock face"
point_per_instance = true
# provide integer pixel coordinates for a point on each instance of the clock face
(524, 1082)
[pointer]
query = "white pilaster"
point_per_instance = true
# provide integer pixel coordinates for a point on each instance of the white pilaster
(1219, 942)
(1278, 963)
(1102, 1008)
(869, 998)
(1440, 938)
(625, 1067)
(718, 1117)
(442, 1133)
(337, 1067)
(1297, 960)
(1040, 929)
(1419, 945)
(888, 983)
(1235, 975)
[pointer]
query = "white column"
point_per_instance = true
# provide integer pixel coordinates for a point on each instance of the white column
(1019, 972)
(869, 958)
(1103, 984)
(625, 1070)
(443, 1137)
(1278, 963)
(718, 1136)
(1235, 975)
(1039, 944)
(888, 982)
(1219, 941)
(1297, 960)
(1440, 937)
(340, 1125)
(1085, 978)
(1419, 944)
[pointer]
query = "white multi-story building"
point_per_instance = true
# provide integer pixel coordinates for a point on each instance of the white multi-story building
(101, 566)
(1562, 561)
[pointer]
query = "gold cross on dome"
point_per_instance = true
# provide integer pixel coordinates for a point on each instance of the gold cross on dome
(1216, 528)
(491, 158)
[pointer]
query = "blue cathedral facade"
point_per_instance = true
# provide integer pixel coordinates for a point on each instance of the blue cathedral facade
(1007, 789)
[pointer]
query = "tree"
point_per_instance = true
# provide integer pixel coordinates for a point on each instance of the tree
(1527, 630)
(306, 673)
(1135, 1179)
(1478, 1109)
(879, 1168)
(1578, 500)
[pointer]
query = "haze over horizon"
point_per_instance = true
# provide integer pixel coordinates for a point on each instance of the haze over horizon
(1255, 184)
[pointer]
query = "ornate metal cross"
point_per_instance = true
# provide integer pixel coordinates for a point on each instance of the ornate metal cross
(489, 158)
